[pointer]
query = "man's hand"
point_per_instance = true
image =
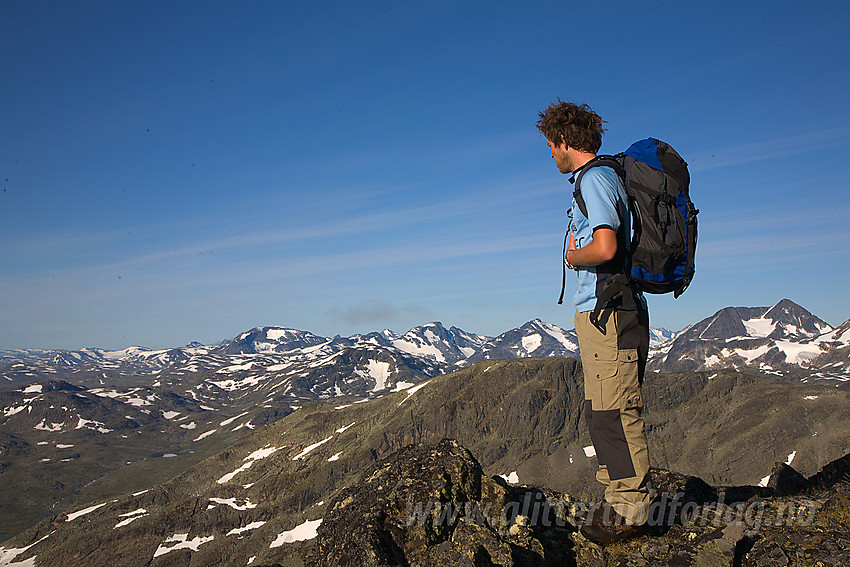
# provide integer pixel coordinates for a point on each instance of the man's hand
(570, 248)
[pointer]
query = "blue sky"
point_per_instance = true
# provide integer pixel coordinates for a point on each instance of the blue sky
(178, 171)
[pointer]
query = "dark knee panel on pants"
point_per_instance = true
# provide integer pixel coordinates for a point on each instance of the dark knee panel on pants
(609, 440)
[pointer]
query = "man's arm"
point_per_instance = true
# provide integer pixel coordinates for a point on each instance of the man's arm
(601, 248)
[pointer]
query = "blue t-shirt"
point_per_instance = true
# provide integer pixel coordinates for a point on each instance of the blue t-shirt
(605, 198)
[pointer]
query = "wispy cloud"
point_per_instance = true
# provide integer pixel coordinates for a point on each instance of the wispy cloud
(783, 146)
(80, 249)
(160, 273)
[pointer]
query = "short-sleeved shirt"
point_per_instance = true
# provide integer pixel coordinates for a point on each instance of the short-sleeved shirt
(605, 198)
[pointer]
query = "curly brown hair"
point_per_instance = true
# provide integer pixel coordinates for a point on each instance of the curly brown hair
(580, 127)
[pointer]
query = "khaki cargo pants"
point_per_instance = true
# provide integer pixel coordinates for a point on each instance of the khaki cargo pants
(614, 364)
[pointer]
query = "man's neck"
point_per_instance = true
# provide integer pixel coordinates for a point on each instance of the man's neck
(581, 159)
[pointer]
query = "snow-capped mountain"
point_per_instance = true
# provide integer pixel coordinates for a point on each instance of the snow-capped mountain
(447, 346)
(660, 336)
(535, 338)
(269, 340)
(784, 340)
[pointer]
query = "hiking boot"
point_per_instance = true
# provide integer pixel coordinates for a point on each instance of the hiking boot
(606, 526)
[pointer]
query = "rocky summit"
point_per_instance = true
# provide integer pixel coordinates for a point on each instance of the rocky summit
(431, 505)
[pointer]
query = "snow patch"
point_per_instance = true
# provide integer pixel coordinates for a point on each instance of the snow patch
(204, 435)
(426, 350)
(13, 410)
(310, 448)
(532, 343)
(380, 372)
(512, 478)
(84, 511)
(413, 390)
(748, 354)
(236, 368)
(759, 327)
(130, 517)
(251, 459)
(92, 424)
(227, 422)
(232, 384)
(248, 505)
(8, 555)
(53, 427)
(797, 353)
(277, 334)
(301, 532)
(249, 527)
(181, 541)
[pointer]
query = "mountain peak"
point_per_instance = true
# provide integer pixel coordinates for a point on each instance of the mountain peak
(791, 320)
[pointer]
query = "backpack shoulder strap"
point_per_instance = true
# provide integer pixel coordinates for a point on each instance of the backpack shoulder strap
(598, 161)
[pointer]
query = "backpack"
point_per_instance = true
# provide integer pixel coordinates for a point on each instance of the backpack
(664, 220)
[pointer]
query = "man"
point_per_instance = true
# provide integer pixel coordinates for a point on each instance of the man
(614, 341)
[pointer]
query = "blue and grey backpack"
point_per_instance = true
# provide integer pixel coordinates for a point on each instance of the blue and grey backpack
(664, 220)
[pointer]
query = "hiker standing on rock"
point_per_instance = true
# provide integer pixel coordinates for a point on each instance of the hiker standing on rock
(613, 329)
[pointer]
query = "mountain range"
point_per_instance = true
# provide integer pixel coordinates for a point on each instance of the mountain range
(80, 426)
(784, 340)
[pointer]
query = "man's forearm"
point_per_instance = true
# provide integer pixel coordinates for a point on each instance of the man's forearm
(601, 249)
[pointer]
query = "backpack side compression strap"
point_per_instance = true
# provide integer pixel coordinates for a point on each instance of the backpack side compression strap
(564, 268)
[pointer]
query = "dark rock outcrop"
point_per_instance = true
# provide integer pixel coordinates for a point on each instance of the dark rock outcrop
(433, 506)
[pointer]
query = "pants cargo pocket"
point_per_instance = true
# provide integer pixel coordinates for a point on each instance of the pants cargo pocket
(600, 378)
(629, 381)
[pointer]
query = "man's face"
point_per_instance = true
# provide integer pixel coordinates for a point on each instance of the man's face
(561, 157)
